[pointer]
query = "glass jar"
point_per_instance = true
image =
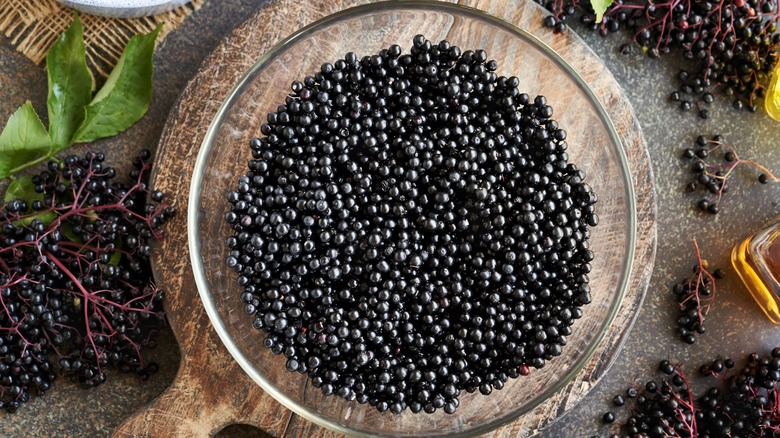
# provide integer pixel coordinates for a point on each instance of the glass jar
(772, 100)
(757, 261)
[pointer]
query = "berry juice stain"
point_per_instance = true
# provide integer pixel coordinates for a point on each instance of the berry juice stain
(757, 261)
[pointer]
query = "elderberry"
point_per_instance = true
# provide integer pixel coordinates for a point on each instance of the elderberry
(75, 279)
(728, 46)
(414, 231)
(695, 295)
(715, 177)
(742, 403)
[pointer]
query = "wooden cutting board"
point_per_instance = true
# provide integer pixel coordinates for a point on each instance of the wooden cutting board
(211, 391)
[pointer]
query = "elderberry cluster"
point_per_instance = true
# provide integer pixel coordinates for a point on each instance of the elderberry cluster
(695, 296)
(714, 177)
(744, 404)
(410, 228)
(729, 45)
(75, 281)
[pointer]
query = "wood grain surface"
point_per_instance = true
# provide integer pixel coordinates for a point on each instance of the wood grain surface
(211, 391)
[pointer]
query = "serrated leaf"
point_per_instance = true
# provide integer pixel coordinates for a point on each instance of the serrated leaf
(23, 188)
(70, 84)
(23, 139)
(600, 7)
(126, 95)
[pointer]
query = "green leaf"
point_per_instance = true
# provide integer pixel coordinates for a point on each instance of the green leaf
(600, 7)
(20, 188)
(116, 256)
(126, 95)
(46, 217)
(67, 230)
(24, 189)
(70, 84)
(24, 139)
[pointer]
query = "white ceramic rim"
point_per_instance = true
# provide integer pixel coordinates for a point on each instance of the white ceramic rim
(122, 4)
(124, 8)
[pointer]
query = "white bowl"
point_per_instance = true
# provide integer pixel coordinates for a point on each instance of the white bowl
(123, 8)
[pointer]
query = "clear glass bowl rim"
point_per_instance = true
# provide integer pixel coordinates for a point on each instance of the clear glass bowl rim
(211, 135)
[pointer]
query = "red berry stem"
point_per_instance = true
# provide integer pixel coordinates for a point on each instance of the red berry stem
(698, 279)
(78, 288)
(695, 296)
(686, 416)
(715, 177)
(731, 45)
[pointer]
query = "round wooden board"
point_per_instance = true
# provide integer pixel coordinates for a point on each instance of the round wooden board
(211, 391)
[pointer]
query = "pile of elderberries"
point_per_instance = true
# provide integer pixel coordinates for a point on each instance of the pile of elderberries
(76, 296)
(743, 403)
(411, 228)
(729, 47)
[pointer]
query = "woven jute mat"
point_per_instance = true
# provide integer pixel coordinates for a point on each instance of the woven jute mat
(34, 25)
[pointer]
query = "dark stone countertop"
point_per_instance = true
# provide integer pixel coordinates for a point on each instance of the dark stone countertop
(735, 326)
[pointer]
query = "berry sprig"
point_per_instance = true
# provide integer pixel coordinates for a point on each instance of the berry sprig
(744, 403)
(695, 296)
(660, 408)
(731, 46)
(75, 280)
(714, 178)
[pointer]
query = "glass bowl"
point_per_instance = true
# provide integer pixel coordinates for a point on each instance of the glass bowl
(593, 145)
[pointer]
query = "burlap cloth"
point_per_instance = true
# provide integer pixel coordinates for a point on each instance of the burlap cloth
(34, 25)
